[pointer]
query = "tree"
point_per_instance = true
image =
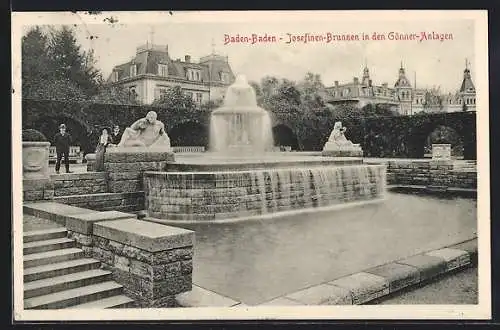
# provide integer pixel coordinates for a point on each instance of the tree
(54, 67)
(111, 94)
(312, 92)
(174, 98)
(69, 62)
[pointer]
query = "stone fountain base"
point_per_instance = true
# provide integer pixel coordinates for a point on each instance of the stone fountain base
(231, 191)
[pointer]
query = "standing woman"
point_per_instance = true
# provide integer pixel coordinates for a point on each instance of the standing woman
(104, 141)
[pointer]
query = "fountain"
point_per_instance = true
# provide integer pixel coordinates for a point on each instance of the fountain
(240, 178)
(240, 126)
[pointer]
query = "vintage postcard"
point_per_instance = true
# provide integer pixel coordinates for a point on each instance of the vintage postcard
(251, 165)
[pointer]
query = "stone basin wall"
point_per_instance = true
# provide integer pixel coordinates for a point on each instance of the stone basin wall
(428, 173)
(222, 195)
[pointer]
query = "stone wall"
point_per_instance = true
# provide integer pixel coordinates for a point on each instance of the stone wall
(429, 173)
(37, 189)
(125, 202)
(152, 261)
(79, 183)
(235, 194)
(67, 184)
(125, 166)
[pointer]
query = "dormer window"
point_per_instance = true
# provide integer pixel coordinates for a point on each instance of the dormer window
(133, 70)
(162, 70)
(224, 77)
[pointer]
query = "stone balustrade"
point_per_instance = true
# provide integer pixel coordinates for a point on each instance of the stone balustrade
(188, 149)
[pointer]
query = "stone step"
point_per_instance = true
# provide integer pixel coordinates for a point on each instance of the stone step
(50, 257)
(48, 245)
(74, 296)
(120, 301)
(60, 268)
(65, 282)
(46, 234)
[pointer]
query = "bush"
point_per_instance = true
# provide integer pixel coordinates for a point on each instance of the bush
(33, 135)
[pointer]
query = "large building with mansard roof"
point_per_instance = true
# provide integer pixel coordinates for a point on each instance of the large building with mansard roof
(404, 97)
(152, 71)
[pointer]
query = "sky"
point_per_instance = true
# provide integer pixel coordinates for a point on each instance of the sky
(431, 63)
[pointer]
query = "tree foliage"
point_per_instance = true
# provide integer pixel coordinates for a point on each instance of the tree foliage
(175, 98)
(54, 67)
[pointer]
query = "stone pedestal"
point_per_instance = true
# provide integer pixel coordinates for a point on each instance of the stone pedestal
(35, 160)
(152, 261)
(90, 158)
(332, 149)
(441, 152)
(125, 166)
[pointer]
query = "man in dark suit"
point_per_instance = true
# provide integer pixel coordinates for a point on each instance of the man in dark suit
(62, 140)
(116, 136)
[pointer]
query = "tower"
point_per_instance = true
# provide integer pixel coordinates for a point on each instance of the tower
(403, 92)
(467, 91)
(366, 75)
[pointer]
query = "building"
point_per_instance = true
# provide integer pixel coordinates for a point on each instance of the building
(404, 97)
(152, 71)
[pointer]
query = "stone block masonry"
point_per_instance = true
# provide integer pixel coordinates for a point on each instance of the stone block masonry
(429, 173)
(124, 202)
(152, 261)
(81, 227)
(70, 184)
(125, 167)
(235, 194)
(79, 183)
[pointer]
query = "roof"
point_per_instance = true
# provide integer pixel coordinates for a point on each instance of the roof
(147, 61)
(467, 84)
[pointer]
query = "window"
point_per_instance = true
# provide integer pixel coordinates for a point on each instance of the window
(115, 76)
(132, 94)
(133, 70)
(198, 75)
(199, 97)
(162, 70)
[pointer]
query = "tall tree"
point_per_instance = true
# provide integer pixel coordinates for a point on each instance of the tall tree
(71, 63)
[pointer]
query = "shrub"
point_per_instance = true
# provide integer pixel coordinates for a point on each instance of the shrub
(33, 135)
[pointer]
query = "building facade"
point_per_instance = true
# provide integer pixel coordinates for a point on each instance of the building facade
(152, 71)
(404, 97)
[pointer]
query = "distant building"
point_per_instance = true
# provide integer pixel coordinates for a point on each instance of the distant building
(403, 97)
(151, 72)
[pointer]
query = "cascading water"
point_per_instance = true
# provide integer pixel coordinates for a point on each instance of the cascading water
(240, 126)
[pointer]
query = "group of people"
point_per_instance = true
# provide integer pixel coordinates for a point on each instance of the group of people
(147, 132)
(62, 141)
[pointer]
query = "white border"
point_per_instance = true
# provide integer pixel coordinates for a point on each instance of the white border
(429, 312)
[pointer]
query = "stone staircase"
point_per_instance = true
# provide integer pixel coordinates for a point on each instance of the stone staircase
(57, 275)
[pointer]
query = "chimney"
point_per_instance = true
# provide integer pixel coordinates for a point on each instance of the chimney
(336, 83)
(187, 59)
(356, 80)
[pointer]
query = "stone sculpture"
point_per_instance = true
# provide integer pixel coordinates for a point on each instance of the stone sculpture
(339, 145)
(146, 132)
